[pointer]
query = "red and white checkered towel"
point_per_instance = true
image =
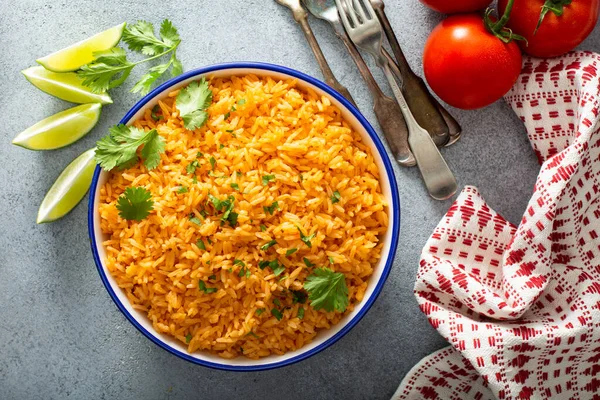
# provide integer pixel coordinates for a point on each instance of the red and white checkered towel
(520, 306)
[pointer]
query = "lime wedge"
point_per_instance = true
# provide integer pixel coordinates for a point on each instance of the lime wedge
(61, 129)
(66, 86)
(73, 57)
(68, 190)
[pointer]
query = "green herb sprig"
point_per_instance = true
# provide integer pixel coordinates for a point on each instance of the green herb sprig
(111, 68)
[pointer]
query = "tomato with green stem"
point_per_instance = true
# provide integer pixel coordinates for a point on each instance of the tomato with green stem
(456, 6)
(470, 62)
(552, 27)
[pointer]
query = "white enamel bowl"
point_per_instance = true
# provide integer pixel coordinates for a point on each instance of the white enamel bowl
(325, 338)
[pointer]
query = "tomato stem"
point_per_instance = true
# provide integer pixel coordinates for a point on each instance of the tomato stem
(498, 28)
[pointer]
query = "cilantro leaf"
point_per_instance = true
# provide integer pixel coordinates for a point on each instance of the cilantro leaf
(192, 102)
(277, 314)
(267, 245)
(135, 204)
(307, 262)
(144, 85)
(271, 209)
(263, 228)
(298, 296)
(182, 189)
(260, 311)
(188, 338)
(327, 290)
(336, 197)
(239, 262)
(291, 251)
(109, 69)
(235, 186)
(306, 239)
(203, 288)
(119, 147)
(212, 162)
(201, 246)
(169, 33)
(140, 38)
(301, 313)
(191, 167)
(267, 178)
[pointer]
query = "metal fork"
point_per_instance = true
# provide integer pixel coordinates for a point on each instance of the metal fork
(366, 32)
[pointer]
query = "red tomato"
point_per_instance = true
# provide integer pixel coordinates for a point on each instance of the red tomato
(456, 6)
(557, 35)
(467, 66)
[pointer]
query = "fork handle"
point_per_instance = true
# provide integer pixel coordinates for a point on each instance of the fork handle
(387, 111)
(439, 180)
(302, 19)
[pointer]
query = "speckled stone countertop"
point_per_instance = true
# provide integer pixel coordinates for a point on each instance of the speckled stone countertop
(61, 335)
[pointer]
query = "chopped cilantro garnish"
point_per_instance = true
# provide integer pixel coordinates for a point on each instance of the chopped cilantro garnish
(267, 245)
(201, 246)
(330, 260)
(263, 228)
(199, 154)
(182, 189)
(233, 218)
(191, 167)
(221, 146)
(298, 296)
(212, 162)
(202, 287)
(301, 178)
(277, 314)
(263, 264)
(306, 239)
(277, 302)
(203, 213)
(212, 277)
(336, 197)
(227, 115)
(229, 130)
(195, 179)
(239, 262)
(308, 263)
(271, 209)
(188, 338)
(235, 186)
(253, 334)
(241, 102)
(290, 252)
(238, 173)
(195, 219)
(267, 178)
(260, 311)
(301, 313)
(209, 242)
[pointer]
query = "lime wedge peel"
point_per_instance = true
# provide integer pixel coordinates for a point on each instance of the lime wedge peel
(73, 57)
(68, 190)
(61, 129)
(66, 86)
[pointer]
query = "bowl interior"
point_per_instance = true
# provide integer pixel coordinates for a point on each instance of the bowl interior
(324, 338)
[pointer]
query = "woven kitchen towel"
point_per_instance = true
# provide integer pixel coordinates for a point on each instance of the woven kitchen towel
(520, 306)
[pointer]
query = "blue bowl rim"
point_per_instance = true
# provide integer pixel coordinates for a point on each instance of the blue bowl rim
(395, 218)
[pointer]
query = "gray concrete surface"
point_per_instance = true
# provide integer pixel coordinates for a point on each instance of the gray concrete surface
(60, 334)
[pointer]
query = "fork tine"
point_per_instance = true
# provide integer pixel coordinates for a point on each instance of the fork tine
(369, 9)
(359, 8)
(343, 15)
(349, 9)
